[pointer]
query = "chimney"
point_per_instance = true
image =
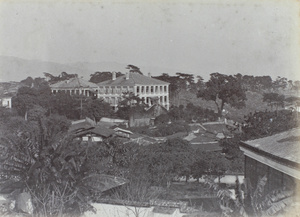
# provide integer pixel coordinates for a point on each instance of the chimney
(127, 76)
(149, 74)
(113, 76)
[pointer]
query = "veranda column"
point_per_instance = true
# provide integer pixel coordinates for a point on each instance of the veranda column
(134, 90)
(167, 102)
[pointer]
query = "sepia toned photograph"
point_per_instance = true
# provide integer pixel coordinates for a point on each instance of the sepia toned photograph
(149, 108)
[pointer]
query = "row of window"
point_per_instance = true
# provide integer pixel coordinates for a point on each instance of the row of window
(147, 100)
(120, 90)
(151, 89)
(72, 92)
(139, 89)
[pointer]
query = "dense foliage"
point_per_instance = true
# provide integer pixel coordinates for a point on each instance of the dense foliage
(98, 77)
(224, 89)
(260, 124)
(70, 106)
(62, 77)
(37, 156)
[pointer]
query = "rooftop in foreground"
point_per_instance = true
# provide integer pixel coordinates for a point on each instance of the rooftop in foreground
(285, 145)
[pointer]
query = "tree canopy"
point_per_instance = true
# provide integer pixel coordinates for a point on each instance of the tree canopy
(274, 99)
(62, 77)
(98, 77)
(224, 89)
(134, 69)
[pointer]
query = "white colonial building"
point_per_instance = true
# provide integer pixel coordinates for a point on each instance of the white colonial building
(150, 90)
(75, 86)
(145, 87)
(5, 101)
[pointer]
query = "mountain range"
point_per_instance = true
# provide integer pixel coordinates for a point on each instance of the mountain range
(17, 69)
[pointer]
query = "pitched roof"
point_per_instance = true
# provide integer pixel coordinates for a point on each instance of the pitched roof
(102, 131)
(83, 128)
(134, 79)
(80, 126)
(74, 83)
(285, 146)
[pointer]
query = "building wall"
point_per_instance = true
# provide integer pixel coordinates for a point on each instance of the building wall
(6, 102)
(75, 91)
(113, 94)
(254, 170)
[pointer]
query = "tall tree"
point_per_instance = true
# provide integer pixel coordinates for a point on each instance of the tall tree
(263, 82)
(98, 77)
(280, 83)
(296, 86)
(62, 77)
(134, 69)
(274, 99)
(223, 89)
(96, 109)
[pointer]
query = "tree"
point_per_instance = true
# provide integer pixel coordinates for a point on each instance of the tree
(96, 109)
(188, 80)
(296, 86)
(134, 69)
(200, 165)
(263, 82)
(260, 124)
(294, 101)
(27, 97)
(280, 83)
(274, 99)
(39, 157)
(24, 100)
(62, 77)
(130, 104)
(161, 162)
(223, 89)
(67, 105)
(27, 82)
(98, 77)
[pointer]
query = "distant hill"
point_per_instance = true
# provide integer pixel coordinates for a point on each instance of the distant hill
(17, 69)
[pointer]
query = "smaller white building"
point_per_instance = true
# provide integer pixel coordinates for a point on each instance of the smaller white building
(75, 86)
(5, 101)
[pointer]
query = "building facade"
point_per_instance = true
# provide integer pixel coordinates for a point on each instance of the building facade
(5, 101)
(148, 89)
(75, 86)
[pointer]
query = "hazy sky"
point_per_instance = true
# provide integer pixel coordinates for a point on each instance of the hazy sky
(247, 37)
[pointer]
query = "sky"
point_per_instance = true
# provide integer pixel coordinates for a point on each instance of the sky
(200, 37)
